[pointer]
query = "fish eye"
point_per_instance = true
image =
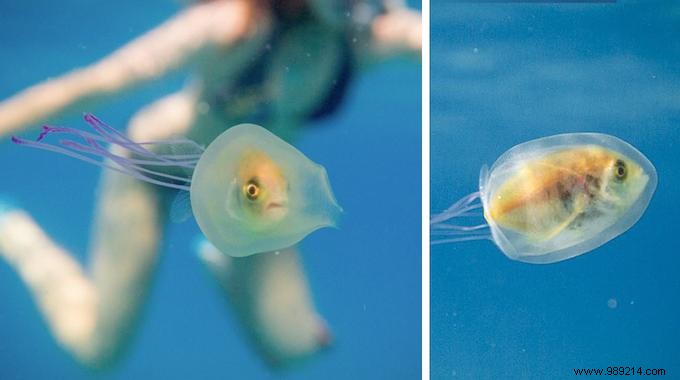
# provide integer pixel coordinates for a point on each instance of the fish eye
(620, 170)
(252, 190)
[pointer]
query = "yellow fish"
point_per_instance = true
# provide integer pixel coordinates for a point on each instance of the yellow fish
(557, 197)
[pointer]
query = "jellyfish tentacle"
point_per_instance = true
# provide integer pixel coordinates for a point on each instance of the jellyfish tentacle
(460, 239)
(462, 206)
(124, 162)
(113, 136)
(108, 130)
(135, 167)
(121, 169)
(169, 158)
(101, 151)
(453, 230)
(443, 228)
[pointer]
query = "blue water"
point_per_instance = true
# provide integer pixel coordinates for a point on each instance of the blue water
(503, 74)
(365, 277)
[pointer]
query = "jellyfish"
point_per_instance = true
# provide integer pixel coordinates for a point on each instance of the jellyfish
(553, 198)
(249, 191)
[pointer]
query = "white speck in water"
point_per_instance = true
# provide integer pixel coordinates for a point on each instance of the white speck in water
(287, 68)
(612, 303)
(277, 253)
(632, 302)
(354, 40)
(475, 50)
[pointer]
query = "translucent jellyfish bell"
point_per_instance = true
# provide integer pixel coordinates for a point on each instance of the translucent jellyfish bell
(554, 198)
(250, 191)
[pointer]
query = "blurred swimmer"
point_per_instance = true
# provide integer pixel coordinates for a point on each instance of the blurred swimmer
(273, 63)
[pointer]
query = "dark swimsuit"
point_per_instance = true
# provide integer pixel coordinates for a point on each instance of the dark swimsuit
(254, 79)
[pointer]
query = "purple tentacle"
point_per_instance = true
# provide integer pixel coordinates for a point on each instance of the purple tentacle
(95, 148)
(126, 143)
(119, 160)
(185, 160)
(120, 169)
(134, 167)
(120, 139)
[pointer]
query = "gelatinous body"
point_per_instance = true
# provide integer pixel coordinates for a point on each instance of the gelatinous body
(557, 197)
(250, 191)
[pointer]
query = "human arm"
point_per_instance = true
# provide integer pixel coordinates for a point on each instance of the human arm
(165, 48)
(397, 32)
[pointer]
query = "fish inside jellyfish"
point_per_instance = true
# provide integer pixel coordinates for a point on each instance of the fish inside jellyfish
(249, 191)
(553, 198)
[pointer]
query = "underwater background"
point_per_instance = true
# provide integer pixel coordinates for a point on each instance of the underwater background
(365, 277)
(503, 74)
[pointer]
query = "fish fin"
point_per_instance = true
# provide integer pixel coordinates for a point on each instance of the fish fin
(180, 210)
(182, 148)
(180, 145)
